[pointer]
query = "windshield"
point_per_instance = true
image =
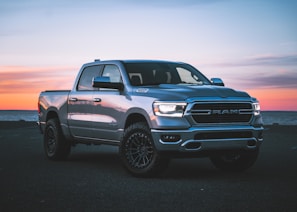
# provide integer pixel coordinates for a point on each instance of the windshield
(155, 73)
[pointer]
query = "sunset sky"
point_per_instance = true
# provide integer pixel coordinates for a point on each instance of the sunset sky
(251, 45)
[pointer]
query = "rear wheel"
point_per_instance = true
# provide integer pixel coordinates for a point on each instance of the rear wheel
(56, 147)
(235, 161)
(138, 152)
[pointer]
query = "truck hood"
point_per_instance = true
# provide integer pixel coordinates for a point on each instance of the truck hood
(190, 92)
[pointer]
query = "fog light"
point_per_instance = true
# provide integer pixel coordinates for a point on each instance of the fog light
(251, 143)
(193, 145)
(260, 135)
(170, 138)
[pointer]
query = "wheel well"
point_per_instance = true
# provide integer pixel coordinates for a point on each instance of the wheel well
(133, 118)
(51, 114)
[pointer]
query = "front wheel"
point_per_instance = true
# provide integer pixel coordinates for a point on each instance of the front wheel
(56, 147)
(138, 152)
(235, 161)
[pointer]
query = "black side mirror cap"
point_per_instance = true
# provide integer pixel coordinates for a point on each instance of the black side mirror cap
(104, 82)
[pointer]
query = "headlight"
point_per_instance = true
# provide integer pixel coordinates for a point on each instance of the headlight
(171, 109)
(256, 107)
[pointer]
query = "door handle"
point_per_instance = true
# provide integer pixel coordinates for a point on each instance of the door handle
(97, 100)
(73, 99)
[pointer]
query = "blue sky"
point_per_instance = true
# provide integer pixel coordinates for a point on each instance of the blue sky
(250, 44)
(39, 32)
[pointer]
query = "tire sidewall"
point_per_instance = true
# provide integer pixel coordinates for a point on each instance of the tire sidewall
(62, 147)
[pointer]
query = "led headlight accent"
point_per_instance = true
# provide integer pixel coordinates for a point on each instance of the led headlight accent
(256, 107)
(171, 109)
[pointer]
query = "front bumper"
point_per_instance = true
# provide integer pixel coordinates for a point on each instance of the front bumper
(208, 138)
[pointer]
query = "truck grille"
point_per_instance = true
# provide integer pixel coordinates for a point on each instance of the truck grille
(222, 112)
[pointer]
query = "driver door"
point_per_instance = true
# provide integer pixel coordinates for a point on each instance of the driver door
(81, 104)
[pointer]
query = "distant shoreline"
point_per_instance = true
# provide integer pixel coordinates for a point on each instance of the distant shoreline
(278, 111)
(21, 110)
(293, 111)
(22, 124)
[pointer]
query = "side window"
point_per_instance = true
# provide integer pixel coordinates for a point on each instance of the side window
(113, 72)
(85, 81)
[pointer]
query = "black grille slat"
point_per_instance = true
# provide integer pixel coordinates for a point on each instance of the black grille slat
(221, 114)
(221, 106)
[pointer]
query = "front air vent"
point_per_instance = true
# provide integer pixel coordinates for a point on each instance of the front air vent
(223, 135)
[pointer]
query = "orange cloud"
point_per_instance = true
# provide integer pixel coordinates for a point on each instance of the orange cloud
(20, 86)
(15, 101)
(276, 99)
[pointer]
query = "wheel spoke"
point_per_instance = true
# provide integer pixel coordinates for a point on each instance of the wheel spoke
(51, 141)
(139, 150)
(55, 146)
(135, 161)
(146, 159)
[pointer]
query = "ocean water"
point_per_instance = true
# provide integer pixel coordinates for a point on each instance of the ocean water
(269, 117)
(18, 115)
(279, 117)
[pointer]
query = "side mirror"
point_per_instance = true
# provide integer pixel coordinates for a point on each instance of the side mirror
(104, 82)
(217, 81)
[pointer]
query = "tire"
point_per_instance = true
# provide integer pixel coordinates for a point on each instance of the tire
(138, 153)
(235, 161)
(56, 147)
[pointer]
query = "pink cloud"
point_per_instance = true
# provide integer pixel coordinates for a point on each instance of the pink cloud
(19, 79)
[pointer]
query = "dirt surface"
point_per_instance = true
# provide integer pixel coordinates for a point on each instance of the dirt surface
(92, 179)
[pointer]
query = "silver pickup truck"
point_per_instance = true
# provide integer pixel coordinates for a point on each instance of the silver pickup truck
(153, 110)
